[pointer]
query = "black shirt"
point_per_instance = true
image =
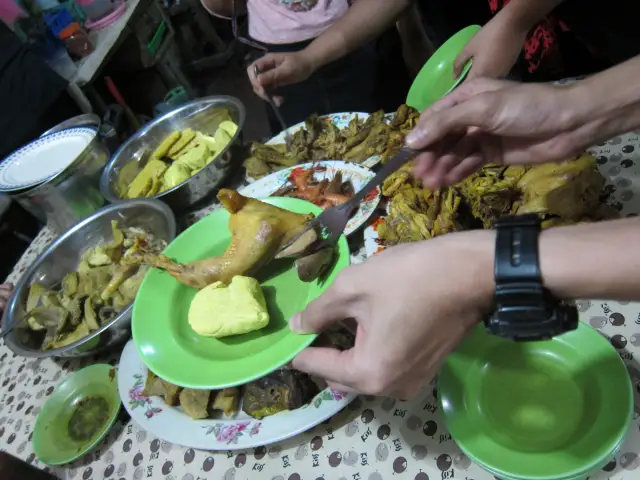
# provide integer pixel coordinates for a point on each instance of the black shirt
(28, 87)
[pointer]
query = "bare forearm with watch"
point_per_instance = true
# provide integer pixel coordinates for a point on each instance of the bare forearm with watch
(414, 303)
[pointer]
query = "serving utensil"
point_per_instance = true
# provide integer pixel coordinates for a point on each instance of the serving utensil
(331, 223)
(276, 110)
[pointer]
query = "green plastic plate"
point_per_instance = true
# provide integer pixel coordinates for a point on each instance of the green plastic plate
(52, 443)
(548, 410)
(172, 350)
(435, 78)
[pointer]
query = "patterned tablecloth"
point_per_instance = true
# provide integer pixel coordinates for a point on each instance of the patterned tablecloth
(373, 439)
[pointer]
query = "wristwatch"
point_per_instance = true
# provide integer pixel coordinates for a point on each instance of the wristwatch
(524, 310)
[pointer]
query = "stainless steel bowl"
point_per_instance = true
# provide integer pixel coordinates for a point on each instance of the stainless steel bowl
(201, 115)
(72, 194)
(63, 256)
(84, 120)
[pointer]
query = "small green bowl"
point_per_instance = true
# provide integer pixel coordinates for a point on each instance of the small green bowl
(557, 409)
(435, 78)
(94, 387)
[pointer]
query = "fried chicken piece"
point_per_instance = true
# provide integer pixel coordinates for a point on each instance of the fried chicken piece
(258, 230)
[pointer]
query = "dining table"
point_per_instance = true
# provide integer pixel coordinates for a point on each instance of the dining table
(371, 439)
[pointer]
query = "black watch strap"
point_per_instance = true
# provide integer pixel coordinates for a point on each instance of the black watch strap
(524, 309)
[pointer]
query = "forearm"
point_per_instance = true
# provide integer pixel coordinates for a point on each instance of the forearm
(597, 260)
(524, 14)
(364, 21)
(224, 8)
(591, 261)
(608, 101)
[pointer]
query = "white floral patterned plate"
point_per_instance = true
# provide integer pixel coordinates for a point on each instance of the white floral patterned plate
(358, 175)
(340, 120)
(175, 426)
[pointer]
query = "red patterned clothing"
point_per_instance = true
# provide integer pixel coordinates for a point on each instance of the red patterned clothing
(541, 49)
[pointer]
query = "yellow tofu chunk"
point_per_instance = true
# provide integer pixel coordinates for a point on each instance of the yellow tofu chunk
(144, 181)
(220, 310)
(166, 144)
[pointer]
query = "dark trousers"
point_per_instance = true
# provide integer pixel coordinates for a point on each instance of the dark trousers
(371, 78)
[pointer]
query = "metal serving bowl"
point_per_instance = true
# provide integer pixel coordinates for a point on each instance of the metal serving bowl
(63, 256)
(70, 195)
(200, 115)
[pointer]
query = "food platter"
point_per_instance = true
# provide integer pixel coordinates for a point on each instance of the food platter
(43, 158)
(371, 245)
(243, 431)
(161, 327)
(360, 138)
(340, 120)
(356, 174)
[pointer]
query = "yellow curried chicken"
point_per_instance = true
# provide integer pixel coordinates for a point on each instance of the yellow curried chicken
(562, 193)
(258, 230)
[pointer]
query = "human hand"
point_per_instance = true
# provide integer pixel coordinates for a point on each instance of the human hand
(6, 289)
(278, 69)
(412, 303)
(496, 121)
(494, 50)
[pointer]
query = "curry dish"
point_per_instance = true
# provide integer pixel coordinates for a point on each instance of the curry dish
(562, 193)
(320, 139)
(102, 286)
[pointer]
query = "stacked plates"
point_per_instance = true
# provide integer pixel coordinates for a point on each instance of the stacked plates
(43, 158)
(553, 410)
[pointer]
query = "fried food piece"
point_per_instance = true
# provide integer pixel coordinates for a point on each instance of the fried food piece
(156, 387)
(195, 402)
(163, 149)
(187, 136)
(226, 400)
(258, 230)
(281, 390)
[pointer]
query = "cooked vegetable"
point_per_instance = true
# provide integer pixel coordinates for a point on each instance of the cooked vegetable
(281, 390)
(562, 193)
(320, 139)
(188, 150)
(91, 296)
(313, 266)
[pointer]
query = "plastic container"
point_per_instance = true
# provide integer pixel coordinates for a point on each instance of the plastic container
(58, 20)
(60, 61)
(76, 40)
(96, 9)
(45, 5)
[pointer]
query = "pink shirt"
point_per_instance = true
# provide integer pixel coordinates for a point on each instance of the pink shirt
(291, 21)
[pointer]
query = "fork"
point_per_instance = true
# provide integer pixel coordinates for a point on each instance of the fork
(332, 222)
(276, 110)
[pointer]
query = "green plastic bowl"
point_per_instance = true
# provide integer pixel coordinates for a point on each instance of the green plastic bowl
(552, 410)
(435, 78)
(52, 442)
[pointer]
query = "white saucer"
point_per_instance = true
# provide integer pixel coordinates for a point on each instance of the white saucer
(43, 158)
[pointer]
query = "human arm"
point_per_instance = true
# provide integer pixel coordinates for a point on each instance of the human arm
(496, 121)
(407, 323)
(224, 8)
(362, 22)
(496, 47)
